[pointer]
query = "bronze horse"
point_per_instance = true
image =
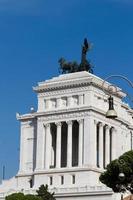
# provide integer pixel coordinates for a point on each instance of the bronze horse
(67, 67)
(70, 67)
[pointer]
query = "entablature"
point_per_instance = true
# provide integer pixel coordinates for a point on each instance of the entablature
(74, 80)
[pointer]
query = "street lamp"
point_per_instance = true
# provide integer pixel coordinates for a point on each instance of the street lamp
(111, 113)
(123, 188)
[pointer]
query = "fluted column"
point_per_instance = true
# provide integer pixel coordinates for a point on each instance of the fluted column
(101, 145)
(95, 153)
(40, 145)
(89, 144)
(58, 145)
(48, 147)
(113, 143)
(80, 145)
(69, 144)
(107, 146)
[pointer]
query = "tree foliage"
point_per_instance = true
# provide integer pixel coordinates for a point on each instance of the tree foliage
(15, 196)
(124, 164)
(21, 196)
(42, 194)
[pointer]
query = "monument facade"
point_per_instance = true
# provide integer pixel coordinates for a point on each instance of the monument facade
(68, 141)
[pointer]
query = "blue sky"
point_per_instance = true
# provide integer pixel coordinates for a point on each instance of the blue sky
(35, 34)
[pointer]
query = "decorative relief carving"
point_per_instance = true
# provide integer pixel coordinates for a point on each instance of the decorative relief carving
(64, 85)
(62, 92)
(53, 103)
(75, 100)
(64, 101)
(63, 117)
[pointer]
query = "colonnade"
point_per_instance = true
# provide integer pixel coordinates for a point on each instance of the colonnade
(46, 145)
(105, 144)
(69, 144)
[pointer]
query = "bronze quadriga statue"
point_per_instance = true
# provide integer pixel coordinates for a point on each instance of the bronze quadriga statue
(71, 67)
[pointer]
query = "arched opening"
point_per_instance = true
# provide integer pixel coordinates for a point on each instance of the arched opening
(75, 142)
(64, 128)
(53, 145)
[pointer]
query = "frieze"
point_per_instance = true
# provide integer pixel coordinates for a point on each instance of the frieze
(64, 117)
(62, 92)
(63, 85)
(27, 124)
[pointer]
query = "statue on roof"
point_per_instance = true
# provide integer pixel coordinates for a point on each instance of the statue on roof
(71, 67)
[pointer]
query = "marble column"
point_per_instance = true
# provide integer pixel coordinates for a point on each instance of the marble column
(80, 145)
(114, 143)
(40, 145)
(95, 144)
(101, 145)
(89, 143)
(48, 147)
(107, 145)
(58, 145)
(69, 144)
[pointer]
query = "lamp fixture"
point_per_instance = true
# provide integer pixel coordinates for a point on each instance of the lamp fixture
(111, 113)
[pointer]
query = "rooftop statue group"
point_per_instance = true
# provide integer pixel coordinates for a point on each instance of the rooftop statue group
(71, 67)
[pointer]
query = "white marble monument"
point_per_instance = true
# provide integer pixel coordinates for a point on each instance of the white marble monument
(68, 141)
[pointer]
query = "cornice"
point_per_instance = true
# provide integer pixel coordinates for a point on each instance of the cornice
(68, 91)
(62, 85)
(71, 81)
(73, 113)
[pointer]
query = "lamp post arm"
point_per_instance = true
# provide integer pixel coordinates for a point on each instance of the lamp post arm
(119, 76)
(111, 87)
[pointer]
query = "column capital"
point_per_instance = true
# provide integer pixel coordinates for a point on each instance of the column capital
(47, 125)
(100, 124)
(95, 122)
(69, 122)
(80, 121)
(58, 123)
(114, 130)
(107, 127)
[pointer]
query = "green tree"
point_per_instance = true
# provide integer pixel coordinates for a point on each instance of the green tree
(31, 197)
(15, 196)
(21, 196)
(44, 194)
(124, 164)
